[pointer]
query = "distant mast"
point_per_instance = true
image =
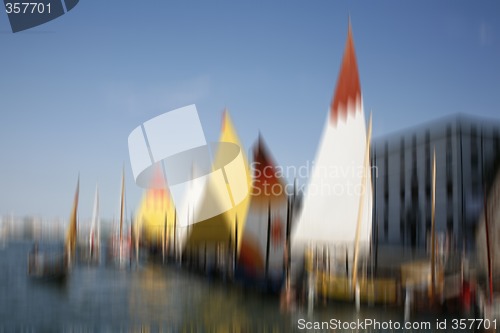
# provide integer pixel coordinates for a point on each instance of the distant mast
(337, 206)
(96, 224)
(122, 204)
(70, 243)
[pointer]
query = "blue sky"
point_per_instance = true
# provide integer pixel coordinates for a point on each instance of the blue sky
(73, 89)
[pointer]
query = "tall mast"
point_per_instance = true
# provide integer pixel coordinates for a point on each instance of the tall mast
(433, 227)
(488, 251)
(71, 235)
(95, 218)
(486, 226)
(98, 220)
(122, 205)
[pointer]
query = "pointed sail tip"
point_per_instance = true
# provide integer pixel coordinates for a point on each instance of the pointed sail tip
(78, 185)
(259, 139)
(348, 89)
(225, 115)
(261, 145)
(266, 175)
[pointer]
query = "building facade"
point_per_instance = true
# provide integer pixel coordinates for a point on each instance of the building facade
(467, 157)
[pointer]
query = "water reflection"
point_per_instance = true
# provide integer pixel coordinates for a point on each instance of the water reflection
(148, 298)
(168, 297)
(152, 300)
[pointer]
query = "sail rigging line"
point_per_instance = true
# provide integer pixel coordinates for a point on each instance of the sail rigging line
(374, 238)
(361, 202)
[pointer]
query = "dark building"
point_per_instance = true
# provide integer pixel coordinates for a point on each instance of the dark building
(467, 157)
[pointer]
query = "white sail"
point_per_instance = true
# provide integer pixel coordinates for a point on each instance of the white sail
(94, 236)
(336, 201)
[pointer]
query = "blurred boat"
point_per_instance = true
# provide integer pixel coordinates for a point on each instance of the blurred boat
(331, 241)
(3, 237)
(56, 265)
(90, 250)
(120, 244)
(47, 265)
(154, 225)
(262, 250)
(212, 243)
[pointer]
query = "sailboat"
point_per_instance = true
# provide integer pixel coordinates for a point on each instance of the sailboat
(94, 246)
(154, 227)
(263, 245)
(215, 241)
(333, 230)
(56, 265)
(120, 243)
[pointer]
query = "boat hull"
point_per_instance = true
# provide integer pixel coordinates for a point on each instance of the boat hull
(43, 266)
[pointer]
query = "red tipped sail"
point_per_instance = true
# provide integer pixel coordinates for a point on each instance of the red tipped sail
(348, 88)
(337, 203)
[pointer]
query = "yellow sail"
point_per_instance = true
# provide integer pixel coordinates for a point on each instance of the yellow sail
(70, 242)
(222, 227)
(239, 212)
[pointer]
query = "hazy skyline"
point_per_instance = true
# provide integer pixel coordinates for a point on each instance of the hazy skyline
(72, 90)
